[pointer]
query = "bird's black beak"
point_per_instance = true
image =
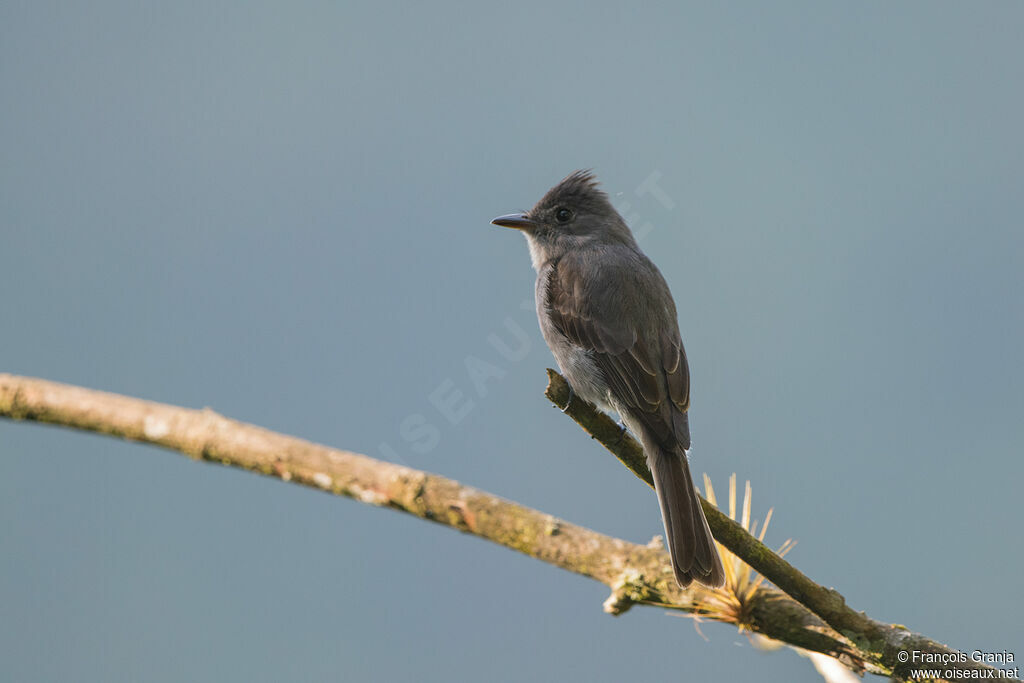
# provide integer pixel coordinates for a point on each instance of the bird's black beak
(519, 221)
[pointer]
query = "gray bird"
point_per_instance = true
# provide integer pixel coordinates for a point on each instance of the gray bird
(610, 321)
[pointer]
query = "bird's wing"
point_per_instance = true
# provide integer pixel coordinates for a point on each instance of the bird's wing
(614, 312)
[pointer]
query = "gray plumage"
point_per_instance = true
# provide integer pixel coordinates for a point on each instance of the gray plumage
(610, 321)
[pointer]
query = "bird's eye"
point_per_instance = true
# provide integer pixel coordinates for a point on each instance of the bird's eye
(563, 215)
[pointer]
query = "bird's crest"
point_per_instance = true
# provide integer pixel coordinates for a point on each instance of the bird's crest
(575, 188)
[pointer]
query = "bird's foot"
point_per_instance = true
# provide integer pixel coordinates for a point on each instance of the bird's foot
(622, 430)
(569, 402)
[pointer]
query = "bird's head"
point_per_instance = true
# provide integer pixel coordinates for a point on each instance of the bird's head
(574, 213)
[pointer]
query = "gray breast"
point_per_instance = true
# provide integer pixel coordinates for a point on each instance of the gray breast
(575, 362)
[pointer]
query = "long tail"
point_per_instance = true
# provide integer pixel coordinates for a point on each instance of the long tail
(690, 544)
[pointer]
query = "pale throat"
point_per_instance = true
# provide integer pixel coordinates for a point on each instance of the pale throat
(536, 253)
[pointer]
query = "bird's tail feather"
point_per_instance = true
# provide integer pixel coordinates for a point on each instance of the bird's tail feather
(690, 543)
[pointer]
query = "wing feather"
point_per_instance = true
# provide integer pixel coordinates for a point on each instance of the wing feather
(634, 342)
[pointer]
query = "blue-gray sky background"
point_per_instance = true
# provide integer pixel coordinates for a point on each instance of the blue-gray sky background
(281, 211)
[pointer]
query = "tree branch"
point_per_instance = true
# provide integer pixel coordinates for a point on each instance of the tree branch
(880, 644)
(636, 574)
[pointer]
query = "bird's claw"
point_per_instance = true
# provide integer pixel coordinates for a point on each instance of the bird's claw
(569, 402)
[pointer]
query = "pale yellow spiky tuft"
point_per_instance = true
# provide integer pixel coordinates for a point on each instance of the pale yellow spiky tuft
(731, 603)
